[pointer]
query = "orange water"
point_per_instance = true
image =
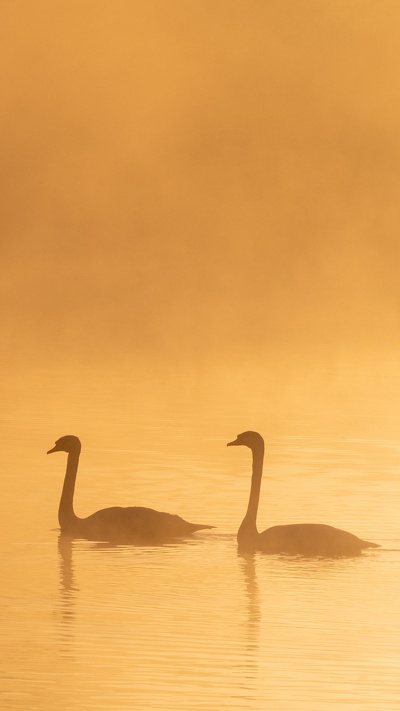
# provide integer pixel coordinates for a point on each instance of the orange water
(193, 626)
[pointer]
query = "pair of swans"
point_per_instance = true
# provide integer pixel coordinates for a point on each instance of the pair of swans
(140, 525)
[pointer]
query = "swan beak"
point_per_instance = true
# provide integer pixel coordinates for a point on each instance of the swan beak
(235, 443)
(55, 449)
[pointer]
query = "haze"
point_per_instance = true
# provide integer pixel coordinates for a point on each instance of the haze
(194, 179)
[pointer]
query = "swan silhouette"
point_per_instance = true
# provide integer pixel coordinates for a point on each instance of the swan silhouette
(132, 524)
(309, 539)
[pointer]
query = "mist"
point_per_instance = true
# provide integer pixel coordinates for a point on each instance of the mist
(194, 180)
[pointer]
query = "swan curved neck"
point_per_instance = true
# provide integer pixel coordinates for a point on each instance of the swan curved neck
(66, 514)
(248, 528)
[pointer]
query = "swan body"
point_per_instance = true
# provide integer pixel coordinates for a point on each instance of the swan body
(132, 524)
(309, 539)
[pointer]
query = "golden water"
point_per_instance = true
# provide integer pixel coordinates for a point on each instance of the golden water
(194, 626)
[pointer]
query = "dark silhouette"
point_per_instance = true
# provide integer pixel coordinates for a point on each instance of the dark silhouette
(133, 524)
(309, 539)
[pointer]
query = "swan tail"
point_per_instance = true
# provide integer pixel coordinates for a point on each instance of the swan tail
(200, 526)
(369, 544)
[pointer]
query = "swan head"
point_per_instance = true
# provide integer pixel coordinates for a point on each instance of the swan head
(248, 439)
(68, 443)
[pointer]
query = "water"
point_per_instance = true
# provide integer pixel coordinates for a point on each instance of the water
(194, 625)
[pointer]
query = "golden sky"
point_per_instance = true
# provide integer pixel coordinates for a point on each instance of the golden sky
(180, 177)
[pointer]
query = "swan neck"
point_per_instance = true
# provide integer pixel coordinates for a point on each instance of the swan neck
(66, 514)
(248, 533)
(257, 470)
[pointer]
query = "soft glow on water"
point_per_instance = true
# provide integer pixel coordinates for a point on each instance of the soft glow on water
(199, 236)
(194, 625)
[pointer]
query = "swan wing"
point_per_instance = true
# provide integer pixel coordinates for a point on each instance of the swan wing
(311, 539)
(136, 524)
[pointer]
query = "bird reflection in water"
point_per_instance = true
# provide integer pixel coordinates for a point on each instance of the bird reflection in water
(248, 566)
(68, 591)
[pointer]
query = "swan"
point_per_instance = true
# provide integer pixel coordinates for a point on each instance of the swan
(132, 524)
(309, 539)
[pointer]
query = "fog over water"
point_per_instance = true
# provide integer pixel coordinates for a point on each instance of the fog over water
(200, 236)
(200, 180)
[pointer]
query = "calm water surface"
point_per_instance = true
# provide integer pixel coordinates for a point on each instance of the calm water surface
(194, 626)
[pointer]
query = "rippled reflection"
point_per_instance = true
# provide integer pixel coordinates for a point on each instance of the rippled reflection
(194, 624)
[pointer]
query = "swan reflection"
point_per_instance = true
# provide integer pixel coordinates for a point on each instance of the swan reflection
(248, 566)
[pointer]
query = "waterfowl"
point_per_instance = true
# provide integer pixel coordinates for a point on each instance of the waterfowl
(309, 539)
(132, 524)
